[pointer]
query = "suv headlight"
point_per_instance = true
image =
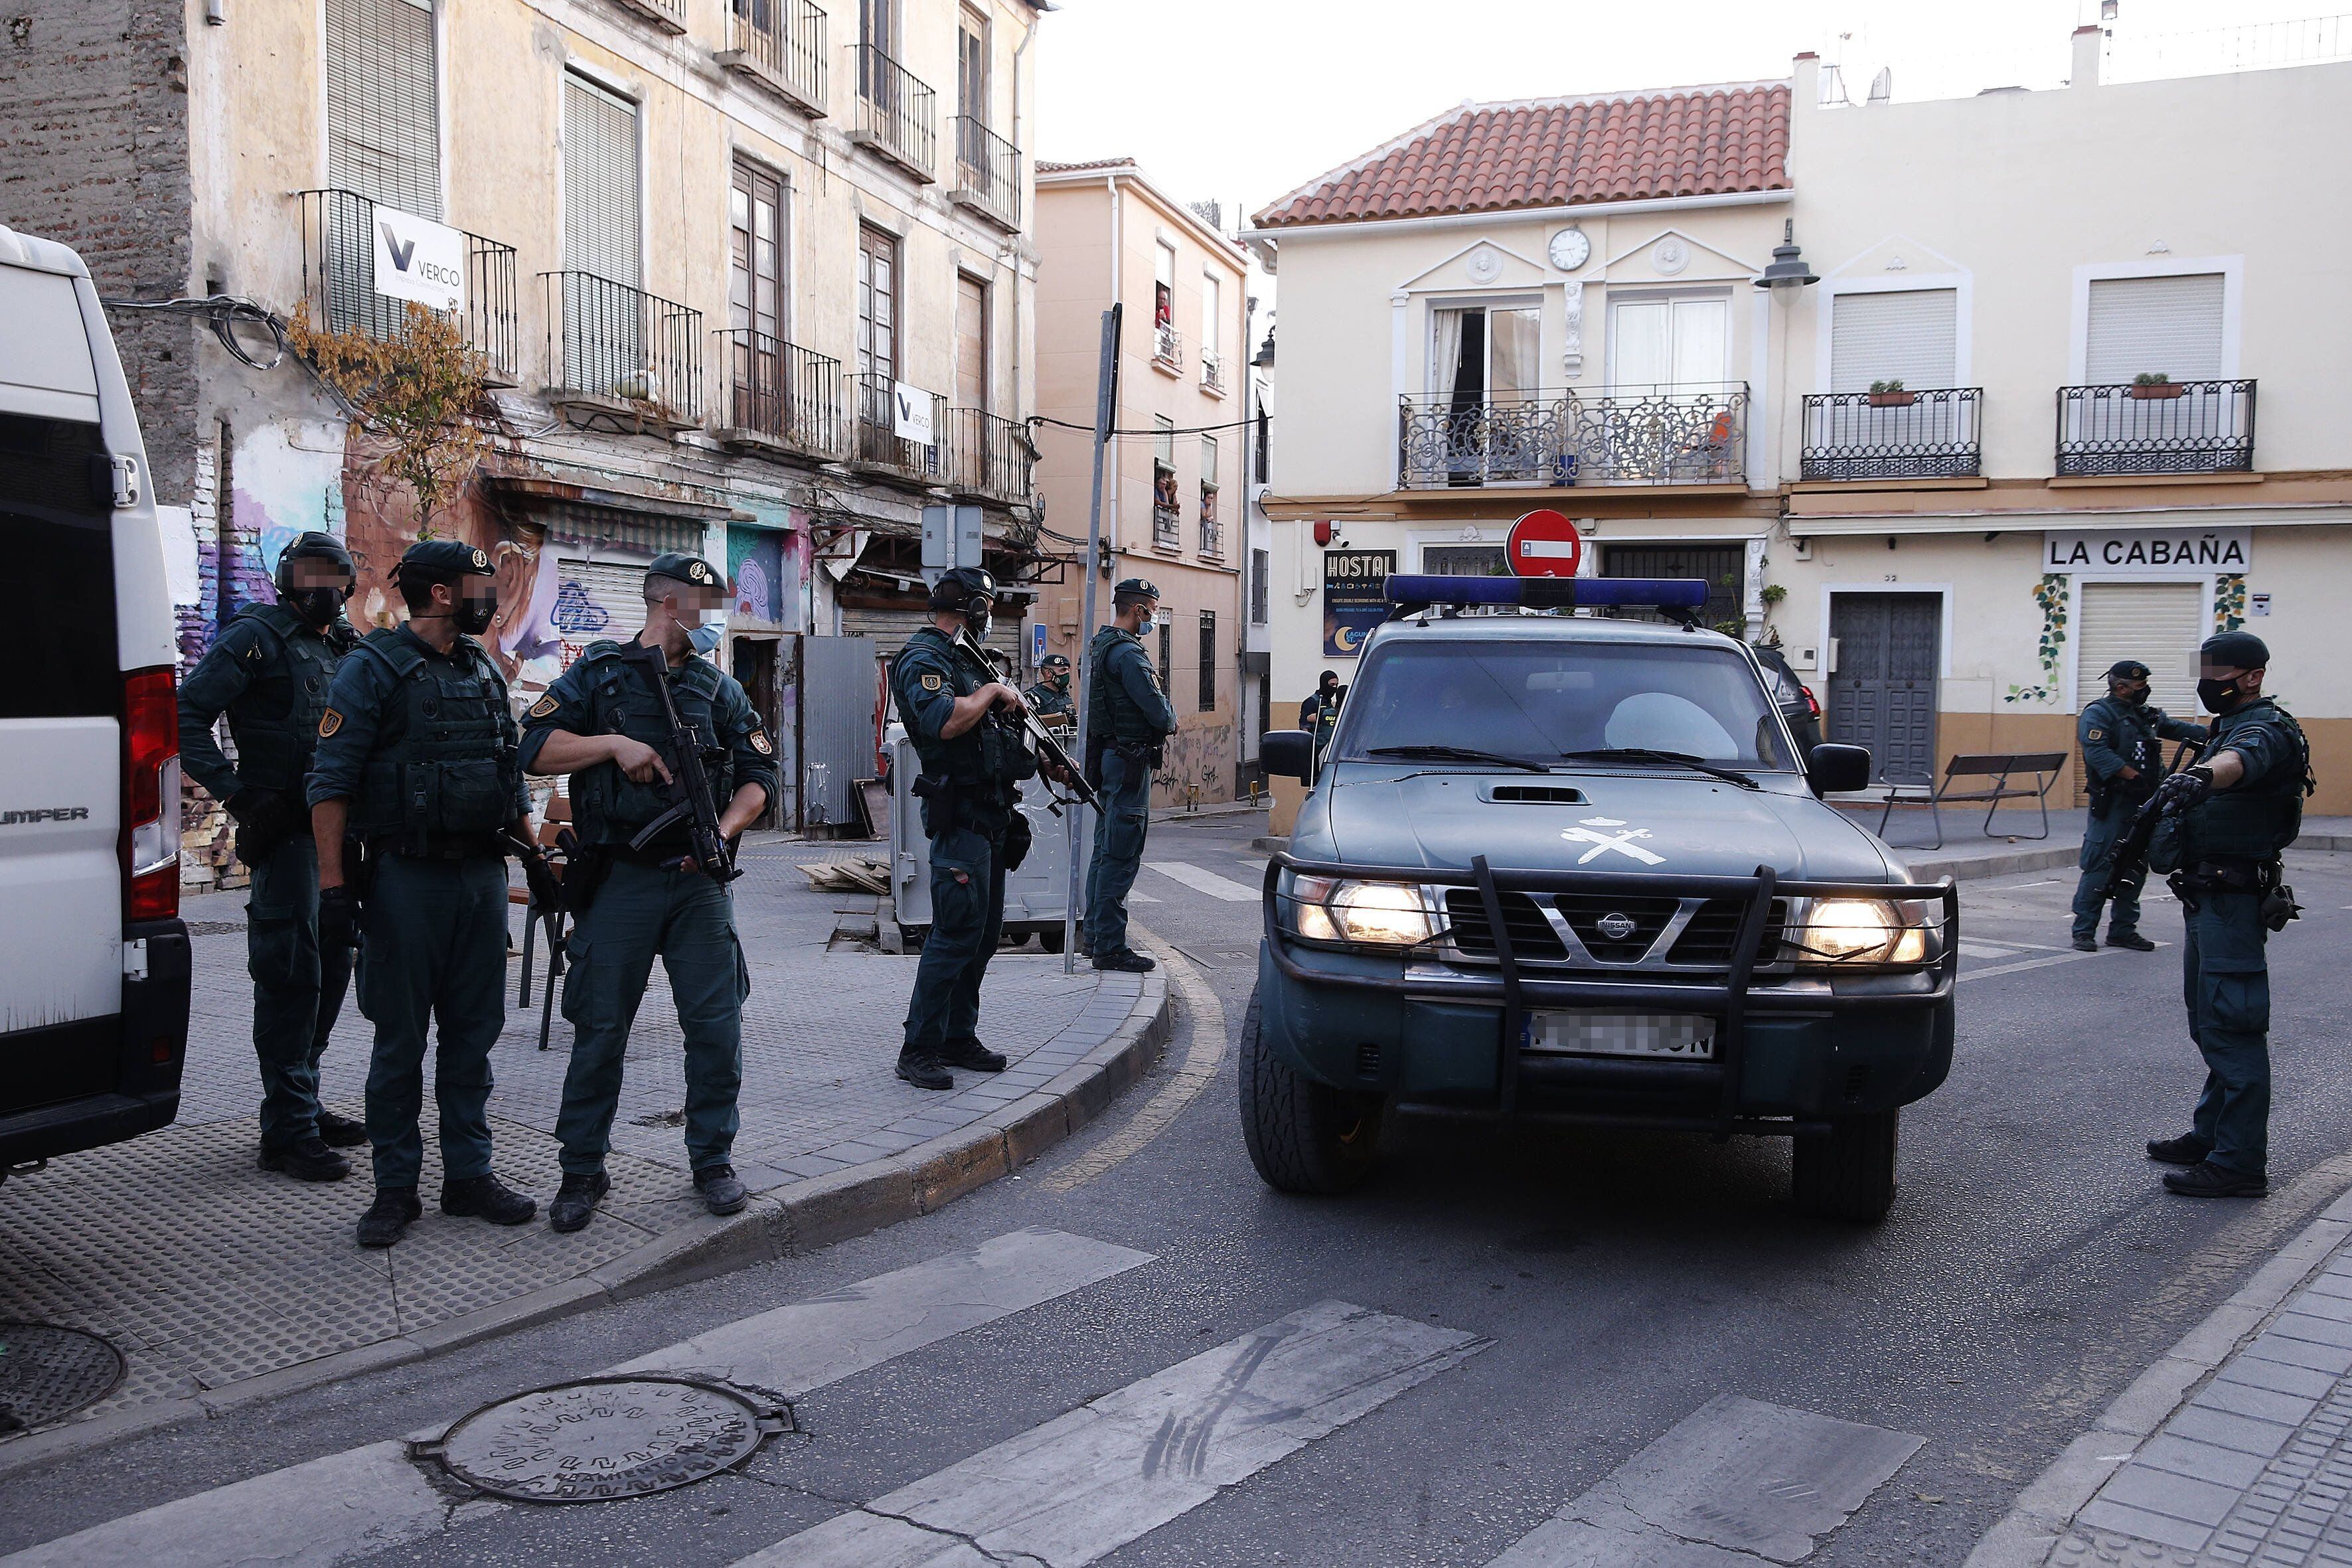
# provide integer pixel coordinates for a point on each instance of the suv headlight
(1847, 934)
(1358, 914)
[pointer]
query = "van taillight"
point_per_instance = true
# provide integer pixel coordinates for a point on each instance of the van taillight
(151, 796)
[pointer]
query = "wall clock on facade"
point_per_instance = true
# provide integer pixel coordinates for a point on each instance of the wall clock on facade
(1570, 249)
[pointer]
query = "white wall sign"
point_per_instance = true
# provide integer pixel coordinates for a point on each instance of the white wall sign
(2144, 553)
(913, 412)
(418, 260)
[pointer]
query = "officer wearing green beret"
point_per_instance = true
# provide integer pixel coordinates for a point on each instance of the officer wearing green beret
(1049, 698)
(269, 672)
(2121, 739)
(958, 718)
(1127, 720)
(416, 759)
(604, 723)
(2240, 806)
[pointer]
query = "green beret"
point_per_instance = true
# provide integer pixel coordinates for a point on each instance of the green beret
(1136, 588)
(691, 570)
(438, 560)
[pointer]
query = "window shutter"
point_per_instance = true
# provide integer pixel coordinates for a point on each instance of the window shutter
(2159, 624)
(595, 600)
(1909, 336)
(2162, 326)
(600, 183)
(383, 138)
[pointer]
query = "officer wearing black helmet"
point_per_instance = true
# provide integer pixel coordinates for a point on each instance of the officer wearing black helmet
(1127, 720)
(269, 672)
(416, 759)
(604, 723)
(2123, 756)
(957, 716)
(2238, 808)
(1049, 698)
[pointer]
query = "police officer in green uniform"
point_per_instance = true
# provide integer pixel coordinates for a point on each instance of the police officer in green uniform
(2239, 806)
(1127, 720)
(603, 724)
(268, 671)
(2121, 739)
(959, 717)
(1049, 698)
(416, 759)
(1320, 714)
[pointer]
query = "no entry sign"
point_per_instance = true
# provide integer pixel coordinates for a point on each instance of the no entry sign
(1544, 543)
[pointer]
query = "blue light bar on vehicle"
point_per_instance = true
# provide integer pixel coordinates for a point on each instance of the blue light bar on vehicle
(1410, 594)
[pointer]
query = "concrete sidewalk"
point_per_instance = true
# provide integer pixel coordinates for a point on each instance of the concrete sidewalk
(1970, 850)
(218, 1282)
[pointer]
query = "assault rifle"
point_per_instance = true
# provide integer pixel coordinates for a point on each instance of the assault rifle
(2131, 850)
(1040, 739)
(691, 801)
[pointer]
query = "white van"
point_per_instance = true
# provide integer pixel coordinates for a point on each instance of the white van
(93, 954)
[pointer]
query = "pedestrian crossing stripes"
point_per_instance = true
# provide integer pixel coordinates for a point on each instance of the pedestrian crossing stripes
(1078, 1487)
(1202, 879)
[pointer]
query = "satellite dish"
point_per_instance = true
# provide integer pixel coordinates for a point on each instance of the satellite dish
(1881, 86)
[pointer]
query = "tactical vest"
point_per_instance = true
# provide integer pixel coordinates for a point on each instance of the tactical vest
(2254, 821)
(984, 765)
(1111, 712)
(441, 781)
(608, 806)
(275, 721)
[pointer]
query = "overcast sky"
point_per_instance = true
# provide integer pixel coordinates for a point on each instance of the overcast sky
(1241, 101)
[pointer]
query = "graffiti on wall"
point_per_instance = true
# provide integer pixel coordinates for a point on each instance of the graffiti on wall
(1196, 765)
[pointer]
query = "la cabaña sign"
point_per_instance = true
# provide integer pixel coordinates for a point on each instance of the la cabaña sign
(2137, 553)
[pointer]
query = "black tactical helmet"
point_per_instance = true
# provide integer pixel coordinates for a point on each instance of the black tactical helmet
(967, 590)
(691, 570)
(2235, 650)
(313, 546)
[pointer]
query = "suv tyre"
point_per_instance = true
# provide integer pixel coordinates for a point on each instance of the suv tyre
(1303, 1136)
(1848, 1173)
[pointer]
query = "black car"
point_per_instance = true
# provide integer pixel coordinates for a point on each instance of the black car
(1795, 699)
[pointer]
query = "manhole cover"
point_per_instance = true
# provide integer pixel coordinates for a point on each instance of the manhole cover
(47, 1373)
(604, 1438)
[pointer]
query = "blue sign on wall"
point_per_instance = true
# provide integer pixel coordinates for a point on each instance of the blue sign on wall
(1038, 645)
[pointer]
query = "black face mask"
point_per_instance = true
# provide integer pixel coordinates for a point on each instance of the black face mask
(2218, 696)
(319, 607)
(473, 617)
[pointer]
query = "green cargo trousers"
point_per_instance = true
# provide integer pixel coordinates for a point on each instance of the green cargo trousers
(689, 921)
(298, 990)
(436, 935)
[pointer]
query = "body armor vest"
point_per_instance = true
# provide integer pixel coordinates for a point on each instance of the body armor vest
(442, 778)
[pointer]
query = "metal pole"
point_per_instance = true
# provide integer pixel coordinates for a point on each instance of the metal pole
(1105, 408)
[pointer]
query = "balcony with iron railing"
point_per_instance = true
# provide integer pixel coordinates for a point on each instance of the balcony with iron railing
(1167, 348)
(338, 282)
(608, 343)
(1213, 372)
(1680, 434)
(896, 113)
(989, 456)
(988, 172)
(670, 15)
(779, 44)
(1167, 511)
(2155, 427)
(1898, 434)
(1213, 531)
(876, 441)
(781, 395)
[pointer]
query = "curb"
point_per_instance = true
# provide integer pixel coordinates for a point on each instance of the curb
(2045, 1510)
(2000, 863)
(1271, 842)
(797, 1217)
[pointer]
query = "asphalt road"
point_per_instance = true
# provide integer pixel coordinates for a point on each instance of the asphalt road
(1599, 1289)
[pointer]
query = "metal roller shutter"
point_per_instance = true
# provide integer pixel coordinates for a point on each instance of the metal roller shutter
(600, 183)
(2161, 326)
(1909, 336)
(598, 599)
(384, 135)
(891, 628)
(2159, 624)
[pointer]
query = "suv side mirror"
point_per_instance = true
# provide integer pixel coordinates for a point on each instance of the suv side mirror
(1833, 769)
(1289, 753)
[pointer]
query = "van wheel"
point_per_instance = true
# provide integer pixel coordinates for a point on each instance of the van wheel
(1303, 1136)
(1050, 939)
(1848, 1173)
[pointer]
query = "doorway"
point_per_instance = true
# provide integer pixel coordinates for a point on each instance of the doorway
(1883, 691)
(756, 667)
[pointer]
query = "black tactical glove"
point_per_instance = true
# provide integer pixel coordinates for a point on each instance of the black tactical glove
(546, 888)
(338, 918)
(2184, 789)
(267, 814)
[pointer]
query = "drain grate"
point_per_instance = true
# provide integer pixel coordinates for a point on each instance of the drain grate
(47, 1373)
(605, 1437)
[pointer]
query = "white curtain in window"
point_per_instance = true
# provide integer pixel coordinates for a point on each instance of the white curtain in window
(1514, 365)
(1444, 350)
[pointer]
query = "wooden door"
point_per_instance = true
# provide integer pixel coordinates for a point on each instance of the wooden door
(1882, 694)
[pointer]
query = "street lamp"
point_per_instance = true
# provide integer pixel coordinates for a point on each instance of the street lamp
(1787, 272)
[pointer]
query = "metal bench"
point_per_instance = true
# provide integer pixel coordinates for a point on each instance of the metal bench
(1998, 767)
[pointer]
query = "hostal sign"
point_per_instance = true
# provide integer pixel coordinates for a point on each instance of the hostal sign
(2137, 552)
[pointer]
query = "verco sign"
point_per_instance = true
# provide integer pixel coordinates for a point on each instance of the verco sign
(2147, 552)
(419, 260)
(912, 413)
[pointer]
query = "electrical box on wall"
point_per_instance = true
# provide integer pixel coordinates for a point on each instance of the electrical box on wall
(1829, 665)
(1802, 658)
(1803, 549)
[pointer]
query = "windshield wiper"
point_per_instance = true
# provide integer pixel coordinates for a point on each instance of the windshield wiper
(1674, 759)
(1456, 754)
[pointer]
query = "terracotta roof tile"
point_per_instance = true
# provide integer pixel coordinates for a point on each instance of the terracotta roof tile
(1494, 157)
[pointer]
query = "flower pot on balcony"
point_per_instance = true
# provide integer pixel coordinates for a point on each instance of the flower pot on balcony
(2156, 389)
(1892, 399)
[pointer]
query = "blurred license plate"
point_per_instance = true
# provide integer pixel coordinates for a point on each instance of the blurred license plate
(1679, 1034)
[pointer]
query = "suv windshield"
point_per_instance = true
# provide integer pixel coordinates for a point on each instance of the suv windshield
(1543, 699)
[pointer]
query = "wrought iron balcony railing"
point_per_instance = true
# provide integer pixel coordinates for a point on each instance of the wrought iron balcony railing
(338, 282)
(1167, 514)
(670, 15)
(779, 44)
(1926, 434)
(989, 455)
(1522, 439)
(1166, 347)
(782, 393)
(607, 339)
(876, 436)
(1670, 435)
(1213, 536)
(1212, 374)
(988, 172)
(2172, 428)
(895, 113)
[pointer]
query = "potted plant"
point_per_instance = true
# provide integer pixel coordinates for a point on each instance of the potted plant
(2154, 384)
(1890, 394)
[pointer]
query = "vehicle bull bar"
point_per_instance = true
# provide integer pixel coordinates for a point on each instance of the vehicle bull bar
(1728, 999)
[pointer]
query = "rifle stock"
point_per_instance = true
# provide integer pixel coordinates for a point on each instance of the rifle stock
(1074, 777)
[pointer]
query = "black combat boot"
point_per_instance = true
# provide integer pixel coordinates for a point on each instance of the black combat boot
(576, 1200)
(486, 1197)
(1127, 960)
(2186, 1149)
(2210, 1181)
(922, 1069)
(395, 1209)
(2130, 938)
(340, 1132)
(2086, 944)
(306, 1159)
(722, 1191)
(972, 1055)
